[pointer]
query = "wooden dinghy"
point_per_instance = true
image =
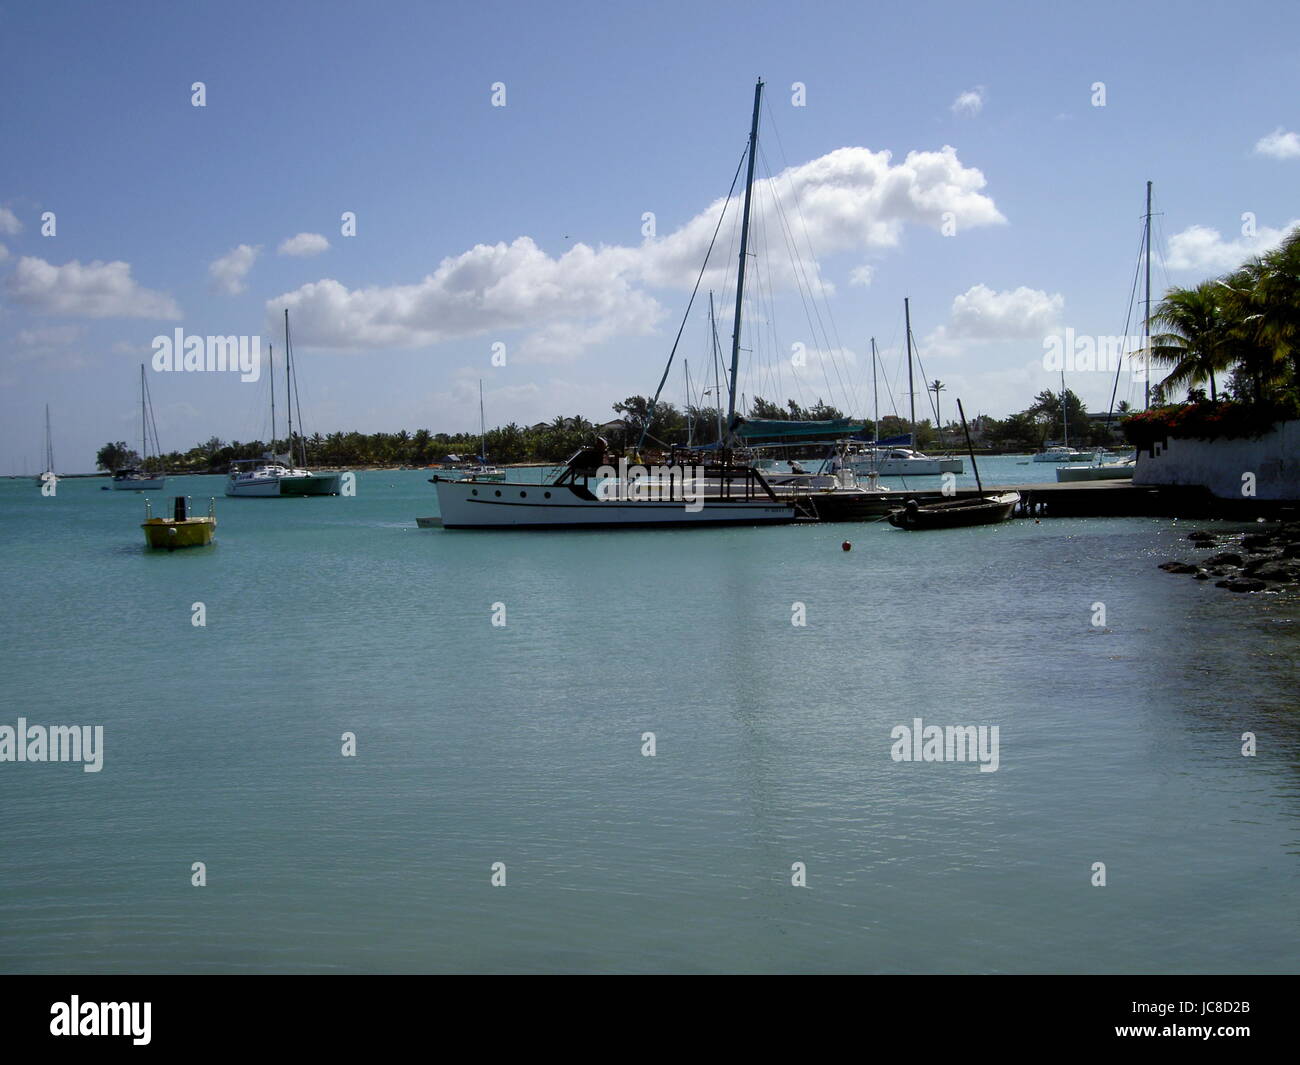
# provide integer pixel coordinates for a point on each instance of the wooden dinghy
(956, 513)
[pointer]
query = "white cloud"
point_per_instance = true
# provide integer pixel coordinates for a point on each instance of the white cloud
(862, 275)
(850, 199)
(95, 290)
(1203, 248)
(9, 223)
(304, 244)
(1280, 144)
(229, 271)
(969, 103)
(1022, 313)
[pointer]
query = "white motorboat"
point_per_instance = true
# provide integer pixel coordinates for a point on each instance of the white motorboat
(1063, 454)
(1099, 471)
(901, 462)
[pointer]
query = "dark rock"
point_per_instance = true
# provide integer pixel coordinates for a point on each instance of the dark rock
(1201, 536)
(1246, 584)
(1201, 575)
(1222, 584)
(1275, 573)
(1251, 565)
(1256, 541)
(1224, 558)
(1291, 551)
(1177, 567)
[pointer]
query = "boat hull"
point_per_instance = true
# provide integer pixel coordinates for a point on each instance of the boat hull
(962, 513)
(312, 484)
(1122, 472)
(476, 505)
(167, 534)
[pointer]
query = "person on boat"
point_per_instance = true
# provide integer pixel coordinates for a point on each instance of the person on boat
(796, 468)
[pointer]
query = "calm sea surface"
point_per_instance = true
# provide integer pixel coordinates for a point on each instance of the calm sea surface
(523, 744)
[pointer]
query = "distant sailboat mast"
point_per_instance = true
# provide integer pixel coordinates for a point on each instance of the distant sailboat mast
(49, 443)
(911, 388)
(288, 382)
(1146, 318)
(270, 362)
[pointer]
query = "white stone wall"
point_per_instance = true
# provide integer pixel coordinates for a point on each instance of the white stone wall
(1221, 465)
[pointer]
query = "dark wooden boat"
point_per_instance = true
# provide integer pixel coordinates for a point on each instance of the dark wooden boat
(955, 513)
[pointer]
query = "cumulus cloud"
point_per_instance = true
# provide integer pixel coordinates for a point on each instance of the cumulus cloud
(862, 275)
(980, 313)
(969, 103)
(1204, 248)
(93, 290)
(850, 199)
(9, 223)
(1280, 144)
(304, 244)
(229, 271)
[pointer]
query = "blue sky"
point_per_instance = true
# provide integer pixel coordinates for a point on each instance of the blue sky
(522, 224)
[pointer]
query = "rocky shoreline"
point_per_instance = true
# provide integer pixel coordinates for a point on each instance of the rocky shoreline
(1254, 562)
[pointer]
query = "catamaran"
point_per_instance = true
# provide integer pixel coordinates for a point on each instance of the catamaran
(135, 478)
(275, 475)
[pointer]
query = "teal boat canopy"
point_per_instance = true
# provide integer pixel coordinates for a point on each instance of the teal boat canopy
(765, 428)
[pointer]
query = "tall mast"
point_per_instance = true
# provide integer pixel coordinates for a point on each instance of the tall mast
(482, 426)
(690, 422)
(875, 395)
(744, 251)
(144, 432)
(288, 382)
(1146, 318)
(270, 362)
(49, 443)
(911, 389)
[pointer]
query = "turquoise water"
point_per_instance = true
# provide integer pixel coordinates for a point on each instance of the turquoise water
(522, 744)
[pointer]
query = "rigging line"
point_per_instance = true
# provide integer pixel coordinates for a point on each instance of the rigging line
(916, 350)
(157, 445)
(685, 317)
(1128, 321)
(839, 345)
(804, 287)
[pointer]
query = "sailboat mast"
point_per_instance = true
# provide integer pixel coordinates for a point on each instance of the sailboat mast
(744, 252)
(482, 426)
(875, 395)
(288, 382)
(270, 362)
(690, 421)
(49, 443)
(144, 432)
(1146, 318)
(1065, 415)
(911, 389)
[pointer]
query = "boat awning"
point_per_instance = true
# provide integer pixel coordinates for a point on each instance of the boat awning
(768, 428)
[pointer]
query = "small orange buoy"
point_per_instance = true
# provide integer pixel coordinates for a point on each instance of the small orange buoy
(846, 546)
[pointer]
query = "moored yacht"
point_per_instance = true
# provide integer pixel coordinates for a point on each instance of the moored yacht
(270, 477)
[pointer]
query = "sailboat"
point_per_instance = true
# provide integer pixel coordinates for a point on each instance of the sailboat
(275, 475)
(958, 513)
(483, 472)
(134, 478)
(580, 495)
(896, 457)
(48, 475)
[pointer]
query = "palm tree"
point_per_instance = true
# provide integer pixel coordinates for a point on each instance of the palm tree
(1278, 295)
(936, 386)
(1197, 339)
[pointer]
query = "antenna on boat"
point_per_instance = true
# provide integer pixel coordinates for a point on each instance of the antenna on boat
(744, 251)
(970, 449)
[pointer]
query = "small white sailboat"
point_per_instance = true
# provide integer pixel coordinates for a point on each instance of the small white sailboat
(482, 471)
(136, 478)
(48, 475)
